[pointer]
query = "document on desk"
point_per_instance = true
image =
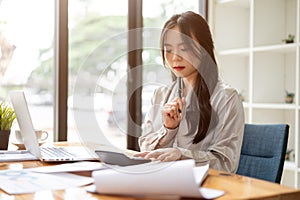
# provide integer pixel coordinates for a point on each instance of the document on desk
(70, 167)
(22, 155)
(180, 178)
(24, 181)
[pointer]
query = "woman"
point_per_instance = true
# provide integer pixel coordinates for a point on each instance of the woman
(207, 122)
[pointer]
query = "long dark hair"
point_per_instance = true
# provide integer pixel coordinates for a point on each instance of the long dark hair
(194, 28)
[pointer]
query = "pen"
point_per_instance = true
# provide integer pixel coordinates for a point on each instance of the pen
(179, 87)
(179, 90)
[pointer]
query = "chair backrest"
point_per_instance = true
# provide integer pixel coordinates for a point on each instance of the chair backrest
(263, 151)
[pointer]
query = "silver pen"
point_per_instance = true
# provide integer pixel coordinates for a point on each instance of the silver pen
(179, 79)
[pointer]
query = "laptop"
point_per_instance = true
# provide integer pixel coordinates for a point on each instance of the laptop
(44, 153)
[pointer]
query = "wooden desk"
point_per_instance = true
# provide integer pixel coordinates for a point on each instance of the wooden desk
(235, 186)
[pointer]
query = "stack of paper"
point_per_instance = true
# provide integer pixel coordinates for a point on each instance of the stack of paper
(24, 181)
(19, 155)
(46, 178)
(180, 178)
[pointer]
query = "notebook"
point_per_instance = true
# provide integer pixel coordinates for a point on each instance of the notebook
(48, 153)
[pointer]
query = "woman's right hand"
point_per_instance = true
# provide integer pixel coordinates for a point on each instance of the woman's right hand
(172, 113)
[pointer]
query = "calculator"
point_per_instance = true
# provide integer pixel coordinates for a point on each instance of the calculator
(116, 158)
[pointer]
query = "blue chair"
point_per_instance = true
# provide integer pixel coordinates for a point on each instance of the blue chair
(263, 151)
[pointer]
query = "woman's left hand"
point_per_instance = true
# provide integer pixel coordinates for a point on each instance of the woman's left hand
(163, 154)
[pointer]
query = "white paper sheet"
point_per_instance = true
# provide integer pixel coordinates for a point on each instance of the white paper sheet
(7, 156)
(70, 167)
(157, 178)
(23, 181)
(200, 173)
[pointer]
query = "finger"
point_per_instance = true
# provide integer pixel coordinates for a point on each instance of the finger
(183, 101)
(163, 157)
(176, 104)
(153, 155)
(172, 103)
(168, 158)
(141, 154)
(170, 111)
(177, 117)
(173, 112)
(169, 108)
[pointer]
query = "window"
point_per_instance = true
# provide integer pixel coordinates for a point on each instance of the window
(155, 14)
(98, 65)
(97, 68)
(97, 71)
(26, 57)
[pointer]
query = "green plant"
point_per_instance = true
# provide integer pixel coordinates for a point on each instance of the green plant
(289, 39)
(289, 94)
(7, 116)
(289, 97)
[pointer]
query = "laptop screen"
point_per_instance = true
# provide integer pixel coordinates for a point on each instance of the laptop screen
(25, 123)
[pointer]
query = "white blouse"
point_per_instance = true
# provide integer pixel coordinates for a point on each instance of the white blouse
(221, 146)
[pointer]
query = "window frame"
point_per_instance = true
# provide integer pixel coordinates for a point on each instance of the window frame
(61, 71)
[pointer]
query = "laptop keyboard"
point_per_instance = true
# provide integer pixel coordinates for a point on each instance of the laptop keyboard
(56, 152)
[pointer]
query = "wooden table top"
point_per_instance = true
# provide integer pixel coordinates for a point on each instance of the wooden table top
(235, 187)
